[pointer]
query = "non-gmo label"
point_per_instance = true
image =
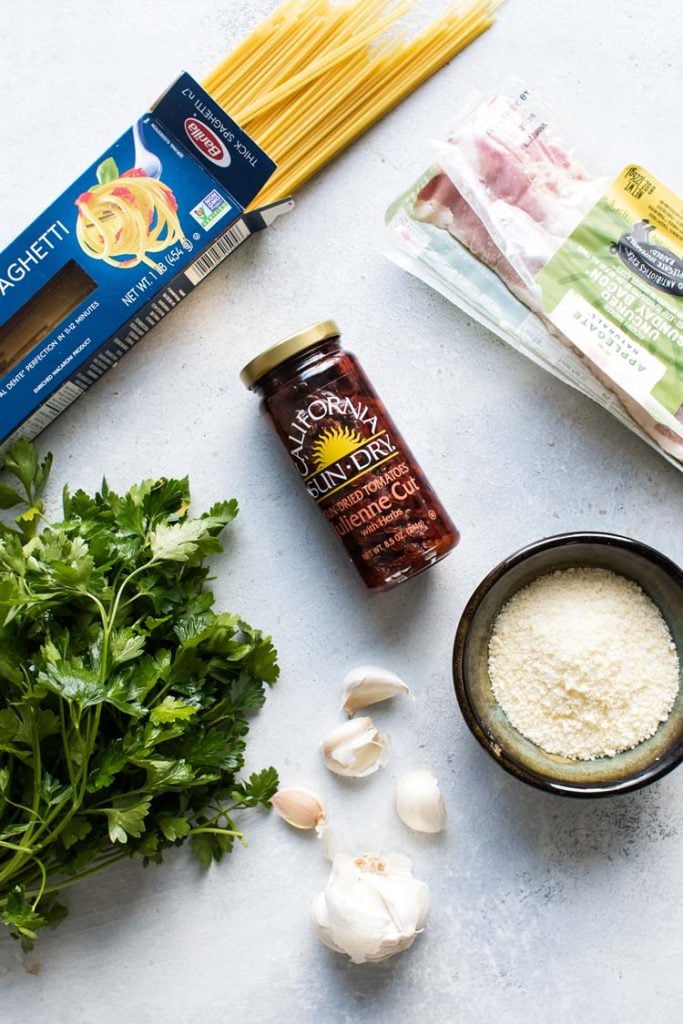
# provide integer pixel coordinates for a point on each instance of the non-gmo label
(212, 208)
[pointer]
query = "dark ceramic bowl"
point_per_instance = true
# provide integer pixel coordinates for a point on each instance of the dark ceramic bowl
(658, 576)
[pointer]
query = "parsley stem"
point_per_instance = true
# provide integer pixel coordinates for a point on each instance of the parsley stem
(72, 879)
(31, 856)
(223, 812)
(114, 608)
(14, 846)
(21, 807)
(24, 851)
(43, 882)
(65, 744)
(81, 778)
(100, 607)
(214, 831)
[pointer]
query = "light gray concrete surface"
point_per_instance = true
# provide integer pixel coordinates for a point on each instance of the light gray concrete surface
(544, 910)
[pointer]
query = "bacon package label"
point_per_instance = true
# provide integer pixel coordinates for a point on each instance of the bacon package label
(615, 288)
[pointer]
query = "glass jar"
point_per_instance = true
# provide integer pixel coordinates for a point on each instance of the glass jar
(352, 459)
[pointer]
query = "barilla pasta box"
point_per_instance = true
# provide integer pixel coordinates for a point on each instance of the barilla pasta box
(137, 231)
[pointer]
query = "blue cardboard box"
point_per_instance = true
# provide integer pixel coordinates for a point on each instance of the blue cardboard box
(120, 248)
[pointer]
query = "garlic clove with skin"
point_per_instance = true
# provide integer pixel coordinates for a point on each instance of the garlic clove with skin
(419, 802)
(300, 807)
(356, 748)
(370, 684)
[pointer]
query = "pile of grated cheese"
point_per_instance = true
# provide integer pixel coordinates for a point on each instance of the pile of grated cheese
(583, 664)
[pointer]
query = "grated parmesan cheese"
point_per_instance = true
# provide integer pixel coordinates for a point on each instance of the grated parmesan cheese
(583, 664)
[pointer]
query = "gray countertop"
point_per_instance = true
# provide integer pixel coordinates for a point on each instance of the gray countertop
(544, 909)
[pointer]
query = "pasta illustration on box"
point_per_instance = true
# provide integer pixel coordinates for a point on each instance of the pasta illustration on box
(127, 216)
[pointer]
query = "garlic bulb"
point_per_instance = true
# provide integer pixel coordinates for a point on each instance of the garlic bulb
(300, 807)
(356, 748)
(369, 684)
(419, 802)
(371, 908)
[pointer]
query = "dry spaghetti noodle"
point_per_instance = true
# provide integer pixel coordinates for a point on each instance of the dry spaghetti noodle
(315, 75)
(122, 221)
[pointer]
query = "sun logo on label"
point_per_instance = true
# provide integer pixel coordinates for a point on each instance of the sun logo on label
(333, 444)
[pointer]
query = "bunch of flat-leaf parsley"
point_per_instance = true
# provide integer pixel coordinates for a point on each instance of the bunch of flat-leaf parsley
(124, 697)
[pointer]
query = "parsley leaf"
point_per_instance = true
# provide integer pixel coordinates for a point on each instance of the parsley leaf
(23, 462)
(178, 541)
(210, 846)
(174, 828)
(75, 830)
(127, 818)
(259, 789)
(126, 645)
(171, 709)
(19, 915)
(9, 497)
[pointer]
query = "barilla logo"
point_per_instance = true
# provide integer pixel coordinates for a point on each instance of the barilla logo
(207, 142)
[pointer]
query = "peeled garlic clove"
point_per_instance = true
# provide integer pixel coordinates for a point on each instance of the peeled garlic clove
(356, 749)
(419, 803)
(369, 684)
(300, 807)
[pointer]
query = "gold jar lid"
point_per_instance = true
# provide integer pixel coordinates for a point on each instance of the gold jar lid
(285, 349)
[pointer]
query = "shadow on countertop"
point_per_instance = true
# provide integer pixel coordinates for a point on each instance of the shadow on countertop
(563, 830)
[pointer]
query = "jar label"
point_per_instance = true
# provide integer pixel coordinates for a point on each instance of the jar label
(356, 468)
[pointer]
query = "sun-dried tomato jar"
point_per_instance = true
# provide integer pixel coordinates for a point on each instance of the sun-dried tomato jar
(350, 456)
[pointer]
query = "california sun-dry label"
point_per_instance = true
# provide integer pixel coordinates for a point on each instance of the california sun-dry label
(355, 467)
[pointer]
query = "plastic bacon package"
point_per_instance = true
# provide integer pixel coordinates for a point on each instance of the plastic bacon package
(582, 275)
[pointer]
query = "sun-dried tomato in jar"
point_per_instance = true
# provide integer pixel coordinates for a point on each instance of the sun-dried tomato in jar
(350, 456)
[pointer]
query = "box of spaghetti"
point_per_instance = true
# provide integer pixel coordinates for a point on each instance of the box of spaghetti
(138, 230)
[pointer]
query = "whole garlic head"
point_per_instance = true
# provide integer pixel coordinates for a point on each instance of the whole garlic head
(356, 748)
(371, 908)
(419, 803)
(300, 807)
(369, 684)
